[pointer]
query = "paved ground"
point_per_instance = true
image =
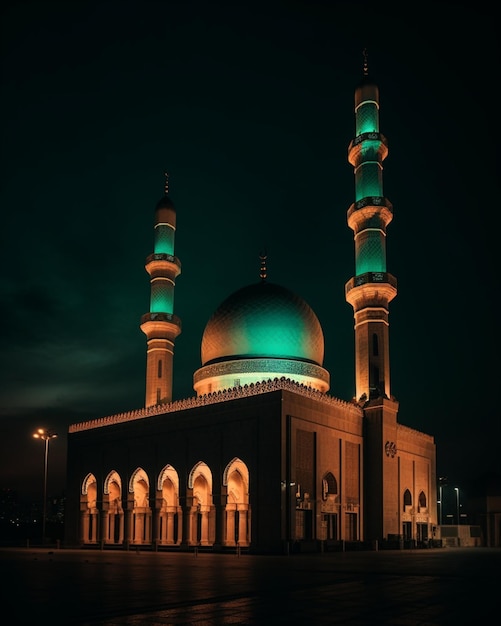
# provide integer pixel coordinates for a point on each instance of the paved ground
(435, 587)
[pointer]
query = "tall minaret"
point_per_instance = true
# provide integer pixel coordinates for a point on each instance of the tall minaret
(372, 288)
(160, 325)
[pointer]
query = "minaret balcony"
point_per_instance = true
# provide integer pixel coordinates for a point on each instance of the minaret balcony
(162, 256)
(359, 146)
(371, 277)
(163, 326)
(161, 264)
(161, 317)
(371, 289)
(371, 211)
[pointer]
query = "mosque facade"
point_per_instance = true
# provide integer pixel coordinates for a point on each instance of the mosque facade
(262, 458)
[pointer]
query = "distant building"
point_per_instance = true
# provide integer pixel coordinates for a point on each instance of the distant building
(485, 509)
(262, 457)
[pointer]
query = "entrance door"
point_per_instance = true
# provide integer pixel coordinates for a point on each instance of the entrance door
(351, 526)
(330, 525)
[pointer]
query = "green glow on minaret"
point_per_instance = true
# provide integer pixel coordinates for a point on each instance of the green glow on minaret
(367, 118)
(369, 150)
(160, 325)
(162, 297)
(371, 255)
(164, 239)
(368, 180)
(372, 287)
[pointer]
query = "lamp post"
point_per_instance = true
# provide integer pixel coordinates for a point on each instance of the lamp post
(440, 503)
(456, 489)
(46, 436)
(441, 482)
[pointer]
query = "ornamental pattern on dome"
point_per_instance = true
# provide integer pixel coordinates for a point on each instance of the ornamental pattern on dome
(263, 320)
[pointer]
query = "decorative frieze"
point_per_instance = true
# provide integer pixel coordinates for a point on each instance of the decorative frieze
(212, 398)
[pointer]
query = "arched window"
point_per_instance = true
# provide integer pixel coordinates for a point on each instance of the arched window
(407, 499)
(329, 485)
(422, 500)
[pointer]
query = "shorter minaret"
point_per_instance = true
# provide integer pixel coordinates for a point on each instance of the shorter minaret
(372, 288)
(160, 325)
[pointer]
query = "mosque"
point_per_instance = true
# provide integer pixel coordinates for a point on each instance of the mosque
(262, 458)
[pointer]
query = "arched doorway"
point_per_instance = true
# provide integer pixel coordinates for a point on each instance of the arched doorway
(200, 528)
(329, 508)
(89, 513)
(236, 530)
(139, 510)
(113, 514)
(169, 527)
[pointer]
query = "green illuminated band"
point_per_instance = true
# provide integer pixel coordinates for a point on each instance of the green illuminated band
(164, 239)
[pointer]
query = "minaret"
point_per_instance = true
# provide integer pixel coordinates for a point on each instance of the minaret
(372, 288)
(160, 325)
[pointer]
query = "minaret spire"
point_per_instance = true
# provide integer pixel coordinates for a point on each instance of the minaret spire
(366, 62)
(263, 271)
(160, 325)
(372, 287)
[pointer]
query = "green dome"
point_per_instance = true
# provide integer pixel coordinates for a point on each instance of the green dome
(263, 320)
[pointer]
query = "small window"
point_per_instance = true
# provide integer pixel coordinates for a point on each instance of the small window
(422, 500)
(375, 345)
(407, 498)
(160, 368)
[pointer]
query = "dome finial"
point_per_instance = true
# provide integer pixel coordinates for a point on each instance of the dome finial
(166, 185)
(366, 62)
(263, 256)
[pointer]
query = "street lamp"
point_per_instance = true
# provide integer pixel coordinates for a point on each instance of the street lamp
(441, 481)
(456, 489)
(46, 436)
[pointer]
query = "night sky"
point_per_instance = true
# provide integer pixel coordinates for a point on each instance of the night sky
(249, 108)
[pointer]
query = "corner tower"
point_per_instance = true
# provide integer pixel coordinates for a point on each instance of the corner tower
(160, 325)
(372, 288)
